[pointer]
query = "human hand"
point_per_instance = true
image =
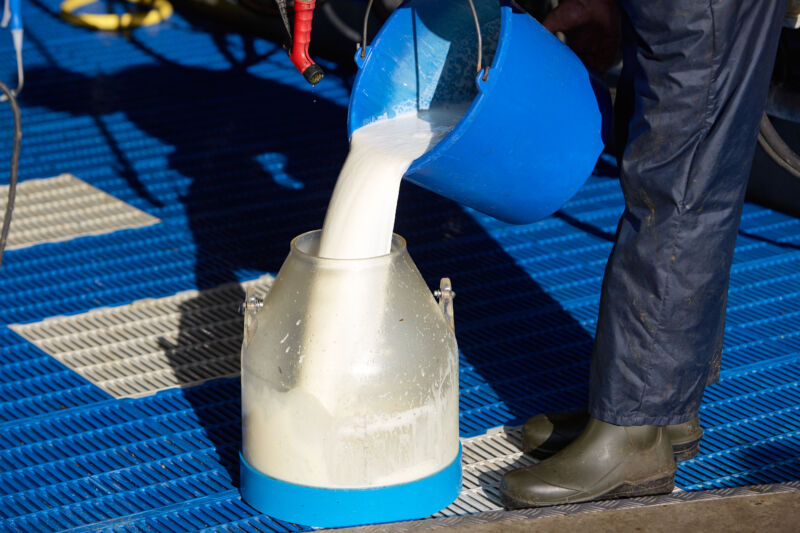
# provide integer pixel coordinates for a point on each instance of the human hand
(592, 28)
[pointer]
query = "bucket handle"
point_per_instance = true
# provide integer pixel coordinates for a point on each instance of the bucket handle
(481, 67)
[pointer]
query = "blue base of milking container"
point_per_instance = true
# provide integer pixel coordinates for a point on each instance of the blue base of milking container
(321, 507)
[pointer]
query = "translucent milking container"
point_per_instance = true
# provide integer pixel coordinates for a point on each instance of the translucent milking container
(349, 391)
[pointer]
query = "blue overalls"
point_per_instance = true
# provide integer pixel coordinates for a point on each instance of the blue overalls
(693, 87)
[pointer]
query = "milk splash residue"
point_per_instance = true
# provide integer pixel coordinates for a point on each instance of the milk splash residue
(325, 438)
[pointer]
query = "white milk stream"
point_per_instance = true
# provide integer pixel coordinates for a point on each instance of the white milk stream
(360, 216)
(358, 224)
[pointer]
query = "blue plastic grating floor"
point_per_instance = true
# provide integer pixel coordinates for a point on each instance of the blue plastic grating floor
(235, 155)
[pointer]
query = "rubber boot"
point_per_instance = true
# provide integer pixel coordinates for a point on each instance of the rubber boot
(604, 462)
(546, 434)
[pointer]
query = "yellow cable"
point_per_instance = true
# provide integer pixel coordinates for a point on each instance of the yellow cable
(160, 10)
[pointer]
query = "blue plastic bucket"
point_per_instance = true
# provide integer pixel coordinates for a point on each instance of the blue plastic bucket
(531, 133)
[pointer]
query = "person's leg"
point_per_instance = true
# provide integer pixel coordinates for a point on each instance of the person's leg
(699, 73)
(700, 76)
(624, 98)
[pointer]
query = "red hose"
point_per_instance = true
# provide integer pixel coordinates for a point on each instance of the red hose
(303, 15)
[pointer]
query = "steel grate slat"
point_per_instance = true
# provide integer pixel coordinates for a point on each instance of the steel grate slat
(64, 207)
(150, 345)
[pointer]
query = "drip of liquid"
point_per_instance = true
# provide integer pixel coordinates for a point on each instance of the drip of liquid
(361, 213)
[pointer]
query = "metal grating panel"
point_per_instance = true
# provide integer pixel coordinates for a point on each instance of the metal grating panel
(484, 461)
(64, 207)
(150, 345)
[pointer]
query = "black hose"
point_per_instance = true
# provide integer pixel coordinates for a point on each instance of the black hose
(340, 24)
(772, 143)
(12, 182)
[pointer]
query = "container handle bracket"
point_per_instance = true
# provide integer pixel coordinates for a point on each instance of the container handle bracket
(250, 308)
(445, 295)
